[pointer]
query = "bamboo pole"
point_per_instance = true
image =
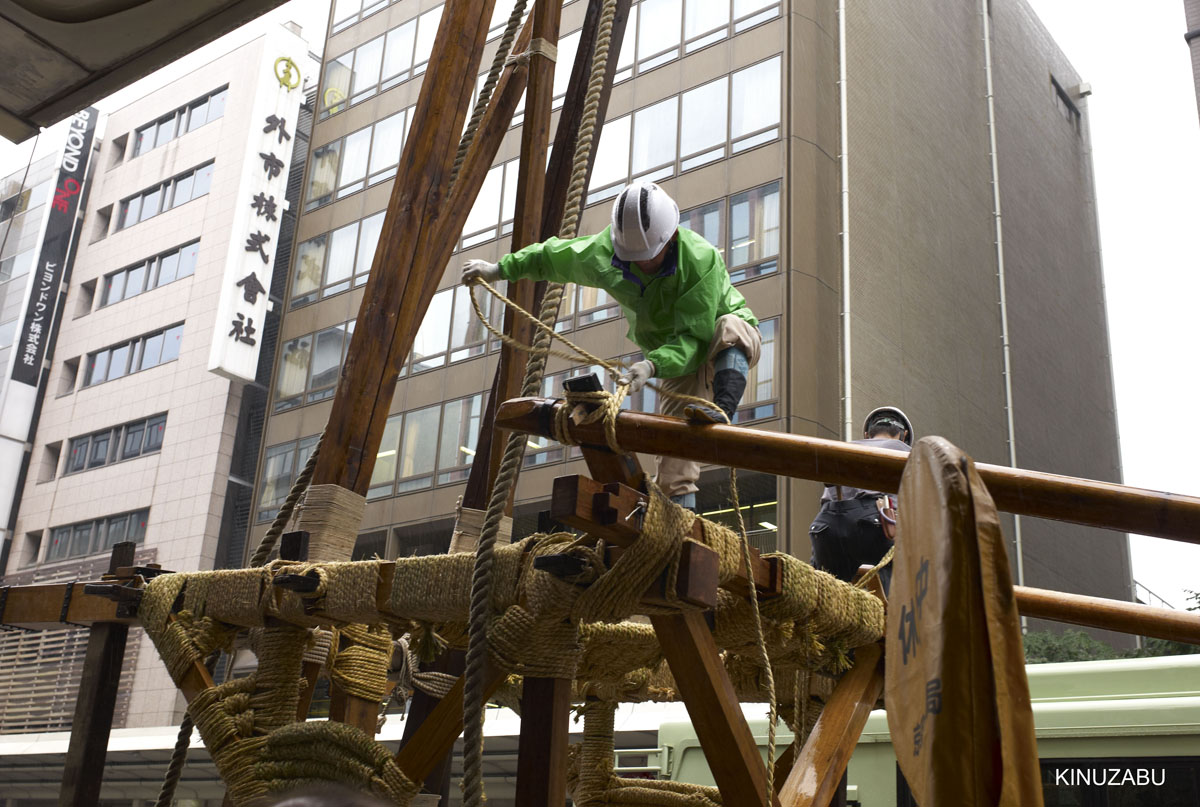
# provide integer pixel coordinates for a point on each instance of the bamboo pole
(1030, 493)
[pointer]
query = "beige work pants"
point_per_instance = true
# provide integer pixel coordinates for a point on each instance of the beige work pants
(675, 476)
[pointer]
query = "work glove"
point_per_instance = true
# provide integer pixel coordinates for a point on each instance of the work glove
(480, 269)
(637, 375)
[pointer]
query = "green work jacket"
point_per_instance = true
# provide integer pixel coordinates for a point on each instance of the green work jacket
(672, 315)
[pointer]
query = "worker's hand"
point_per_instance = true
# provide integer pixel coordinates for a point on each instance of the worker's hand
(637, 375)
(480, 269)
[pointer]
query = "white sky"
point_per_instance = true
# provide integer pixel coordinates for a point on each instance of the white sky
(1145, 140)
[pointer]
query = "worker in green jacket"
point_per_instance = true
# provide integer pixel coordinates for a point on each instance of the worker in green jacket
(694, 329)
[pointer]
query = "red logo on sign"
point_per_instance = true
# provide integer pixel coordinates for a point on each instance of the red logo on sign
(63, 192)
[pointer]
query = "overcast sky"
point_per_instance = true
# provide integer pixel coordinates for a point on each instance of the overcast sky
(1146, 143)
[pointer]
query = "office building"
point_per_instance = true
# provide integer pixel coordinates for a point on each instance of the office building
(733, 107)
(152, 408)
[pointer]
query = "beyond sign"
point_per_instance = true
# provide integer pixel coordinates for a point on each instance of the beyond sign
(47, 277)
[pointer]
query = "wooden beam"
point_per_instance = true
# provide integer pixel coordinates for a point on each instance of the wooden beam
(730, 748)
(40, 607)
(410, 258)
(610, 511)
(819, 767)
(562, 156)
(435, 738)
(83, 768)
(545, 730)
(1097, 612)
(420, 708)
(1031, 493)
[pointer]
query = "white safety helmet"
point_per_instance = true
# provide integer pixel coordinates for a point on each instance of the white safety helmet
(892, 415)
(644, 217)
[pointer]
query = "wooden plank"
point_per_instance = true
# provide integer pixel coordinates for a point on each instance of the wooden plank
(435, 738)
(1031, 493)
(39, 607)
(819, 767)
(696, 577)
(409, 262)
(83, 768)
(712, 703)
(545, 730)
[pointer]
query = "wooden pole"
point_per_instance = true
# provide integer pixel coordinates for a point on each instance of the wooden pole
(545, 702)
(542, 756)
(510, 371)
(410, 258)
(1031, 493)
(1097, 612)
(819, 767)
(83, 769)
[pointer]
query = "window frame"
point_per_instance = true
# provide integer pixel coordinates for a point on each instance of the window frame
(180, 118)
(153, 273)
(681, 163)
(115, 438)
(340, 187)
(163, 196)
(132, 357)
(95, 533)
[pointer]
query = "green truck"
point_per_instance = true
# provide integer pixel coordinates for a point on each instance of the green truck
(1122, 733)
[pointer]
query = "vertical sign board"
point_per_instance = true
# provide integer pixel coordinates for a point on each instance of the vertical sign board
(18, 399)
(30, 346)
(259, 203)
(957, 698)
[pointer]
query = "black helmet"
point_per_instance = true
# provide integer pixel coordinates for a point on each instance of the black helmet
(893, 415)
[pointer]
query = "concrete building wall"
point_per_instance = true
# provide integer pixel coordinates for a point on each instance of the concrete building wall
(925, 323)
(1191, 10)
(1063, 400)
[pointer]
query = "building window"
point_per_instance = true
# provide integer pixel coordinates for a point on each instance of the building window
(17, 265)
(187, 118)
(750, 242)
(495, 206)
(309, 366)
(379, 64)
(348, 12)
(281, 464)
(732, 114)
(357, 160)
(97, 535)
(150, 274)
(660, 31)
(119, 443)
(139, 354)
(759, 401)
(165, 196)
(334, 262)
(435, 444)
